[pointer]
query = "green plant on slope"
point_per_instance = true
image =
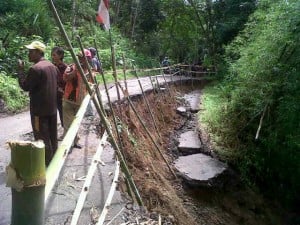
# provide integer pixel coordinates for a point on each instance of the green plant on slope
(14, 98)
(262, 90)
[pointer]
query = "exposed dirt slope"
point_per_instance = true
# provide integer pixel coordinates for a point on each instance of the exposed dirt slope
(167, 196)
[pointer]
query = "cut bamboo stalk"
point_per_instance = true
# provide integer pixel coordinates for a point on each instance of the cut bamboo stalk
(88, 180)
(26, 177)
(61, 153)
(110, 195)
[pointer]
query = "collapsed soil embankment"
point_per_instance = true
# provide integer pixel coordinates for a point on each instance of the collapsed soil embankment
(169, 197)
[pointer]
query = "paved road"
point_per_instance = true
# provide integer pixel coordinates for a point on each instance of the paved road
(16, 127)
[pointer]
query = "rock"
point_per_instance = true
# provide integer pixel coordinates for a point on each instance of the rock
(181, 110)
(200, 169)
(193, 99)
(189, 143)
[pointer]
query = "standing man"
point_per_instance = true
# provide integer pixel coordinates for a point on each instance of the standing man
(75, 91)
(96, 64)
(57, 55)
(41, 83)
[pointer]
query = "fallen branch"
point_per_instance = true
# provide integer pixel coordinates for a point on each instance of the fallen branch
(260, 122)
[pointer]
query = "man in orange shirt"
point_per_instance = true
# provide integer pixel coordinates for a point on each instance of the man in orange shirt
(75, 91)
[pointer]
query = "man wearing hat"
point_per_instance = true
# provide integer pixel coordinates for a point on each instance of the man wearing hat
(41, 83)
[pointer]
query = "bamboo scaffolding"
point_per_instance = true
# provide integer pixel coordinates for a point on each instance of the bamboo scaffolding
(156, 100)
(147, 104)
(129, 187)
(147, 131)
(88, 180)
(94, 80)
(109, 103)
(167, 84)
(100, 112)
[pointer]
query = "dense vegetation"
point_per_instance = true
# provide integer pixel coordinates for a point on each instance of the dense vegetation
(252, 111)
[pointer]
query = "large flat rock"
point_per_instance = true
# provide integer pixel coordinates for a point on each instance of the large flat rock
(199, 169)
(189, 142)
(193, 99)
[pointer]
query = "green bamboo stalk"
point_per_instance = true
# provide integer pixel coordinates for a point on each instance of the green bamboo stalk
(100, 112)
(167, 84)
(148, 132)
(114, 66)
(91, 75)
(147, 103)
(27, 178)
(157, 101)
(110, 105)
(124, 72)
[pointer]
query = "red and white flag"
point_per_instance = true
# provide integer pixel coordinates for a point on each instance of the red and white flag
(103, 14)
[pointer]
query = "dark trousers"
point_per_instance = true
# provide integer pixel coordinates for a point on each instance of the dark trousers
(60, 107)
(45, 128)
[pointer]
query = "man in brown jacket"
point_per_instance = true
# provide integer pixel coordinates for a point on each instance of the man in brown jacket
(41, 83)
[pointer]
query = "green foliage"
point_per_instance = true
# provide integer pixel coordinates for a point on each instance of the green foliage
(262, 88)
(14, 98)
(24, 18)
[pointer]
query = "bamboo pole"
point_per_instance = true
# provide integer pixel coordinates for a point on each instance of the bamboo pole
(114, 66)
(88, 180)
(100, 112)
(124, 72)
(147, 104)
(162, 117)
(127, 180)
(110, 104)
(167, 84)
(58, 160)
(26, 177)
(94, 80)
(148, 133)
(110, 195)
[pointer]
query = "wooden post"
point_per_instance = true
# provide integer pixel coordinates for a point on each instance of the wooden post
(27, 178)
